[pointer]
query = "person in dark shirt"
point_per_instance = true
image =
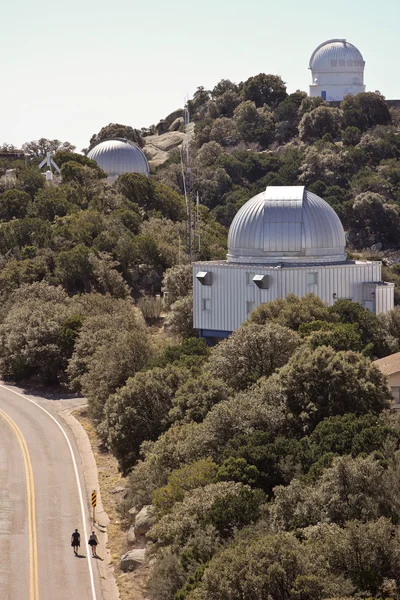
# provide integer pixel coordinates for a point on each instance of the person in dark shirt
(75, 541)
(93, 543)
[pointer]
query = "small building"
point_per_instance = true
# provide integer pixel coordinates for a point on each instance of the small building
(284, 240)
(118, 156)
(390, 366)
(337, 69)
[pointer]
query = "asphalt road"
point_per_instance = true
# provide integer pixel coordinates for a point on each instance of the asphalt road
(40, 506)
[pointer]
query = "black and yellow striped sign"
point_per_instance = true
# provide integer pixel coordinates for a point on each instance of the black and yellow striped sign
(94, 499)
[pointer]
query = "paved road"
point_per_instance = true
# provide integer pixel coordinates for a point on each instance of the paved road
(40, 507)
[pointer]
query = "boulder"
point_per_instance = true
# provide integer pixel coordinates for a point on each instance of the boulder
(377, 247)
(176, 114)
(130, 536)
(132, 559)
(118, 490)
(144, 520)
(175, 125)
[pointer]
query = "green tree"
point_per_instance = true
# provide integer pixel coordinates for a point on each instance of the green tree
(292, 311)
(39, 148)
(321, 383)
(30, 333)
(251, 352)
(264, 89)
(319, 122)
(195, 398)
(116, 130)
(14, 204)
(180, 320)
(177, 283)
(139, 412)
(365, 110)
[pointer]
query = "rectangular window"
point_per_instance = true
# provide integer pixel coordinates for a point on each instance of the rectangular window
(250, 306)
(323, 95)
(396, 394)
(312, 278)
(249, 278)
(206, 304)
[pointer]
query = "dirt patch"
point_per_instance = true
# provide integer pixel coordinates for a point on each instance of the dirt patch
(130, 585)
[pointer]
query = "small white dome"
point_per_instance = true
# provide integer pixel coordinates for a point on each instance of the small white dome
(119, 156)
(336, 56)
(286, 225)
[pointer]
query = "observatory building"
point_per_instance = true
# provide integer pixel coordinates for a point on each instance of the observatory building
(337, 69)
(118, 156)
(284, 240)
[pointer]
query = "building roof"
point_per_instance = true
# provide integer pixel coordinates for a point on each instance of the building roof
(119, 156)
(336, 56)
(389, 364)
(286, 224)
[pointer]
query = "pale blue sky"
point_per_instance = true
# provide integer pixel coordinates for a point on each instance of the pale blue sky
(68, 68)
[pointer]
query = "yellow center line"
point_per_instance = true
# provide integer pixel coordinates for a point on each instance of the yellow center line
(30, 493)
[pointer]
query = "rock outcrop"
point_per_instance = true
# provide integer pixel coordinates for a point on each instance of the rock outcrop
(132, 559)
(144, 520)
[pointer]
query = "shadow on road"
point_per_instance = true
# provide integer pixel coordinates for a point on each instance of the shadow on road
(80, 555)
(98, 557)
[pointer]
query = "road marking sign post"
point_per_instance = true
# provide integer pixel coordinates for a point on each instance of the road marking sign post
(94, 502)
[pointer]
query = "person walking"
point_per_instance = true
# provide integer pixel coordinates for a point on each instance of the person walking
(75, 541)
(93, 541)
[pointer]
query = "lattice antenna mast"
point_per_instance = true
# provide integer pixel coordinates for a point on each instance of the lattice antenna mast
(186, 170)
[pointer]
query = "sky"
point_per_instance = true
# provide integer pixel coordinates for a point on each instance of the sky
(69, 68)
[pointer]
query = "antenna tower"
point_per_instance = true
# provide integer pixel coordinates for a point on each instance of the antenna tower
(186, 170)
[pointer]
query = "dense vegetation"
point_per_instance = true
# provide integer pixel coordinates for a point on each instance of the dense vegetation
(272, 460)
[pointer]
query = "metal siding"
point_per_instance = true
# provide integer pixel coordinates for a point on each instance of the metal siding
(229, 292)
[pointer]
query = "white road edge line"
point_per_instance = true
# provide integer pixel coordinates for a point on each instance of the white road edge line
(76, 477)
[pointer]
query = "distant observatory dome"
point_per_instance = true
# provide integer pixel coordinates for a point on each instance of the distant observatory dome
(337, 69)
(118, 156)
(336, 55)
(286, 225)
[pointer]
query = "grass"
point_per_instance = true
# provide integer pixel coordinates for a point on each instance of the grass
(130, 585)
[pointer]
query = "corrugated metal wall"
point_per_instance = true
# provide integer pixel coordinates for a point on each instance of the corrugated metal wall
(230, 294)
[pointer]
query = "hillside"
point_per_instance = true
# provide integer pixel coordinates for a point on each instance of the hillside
(267, 466)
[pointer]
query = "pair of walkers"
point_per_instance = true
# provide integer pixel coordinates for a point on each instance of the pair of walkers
(76, 542)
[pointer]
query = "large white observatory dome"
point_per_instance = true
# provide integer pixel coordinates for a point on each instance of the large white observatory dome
(286, 225)
(118, 156)
(337, 69)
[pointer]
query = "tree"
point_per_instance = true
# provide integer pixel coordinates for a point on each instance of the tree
(14, 204)
(319, 122)
(193, 512)
(365, 110)
(74, 269)
(369, 326)
(139, 412)
(151, 195)
(351, 136)
(251, 352)
(195, 398)
(292, 311)
(52, 202)
(321, 383)
(112, 346)
(373, 219)
(224, 132)
(177, 283)
(264, 89)
(180, 320)
(30, 333)
(254, 125)
(180, 481)
(39, 148)
(116, 130)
